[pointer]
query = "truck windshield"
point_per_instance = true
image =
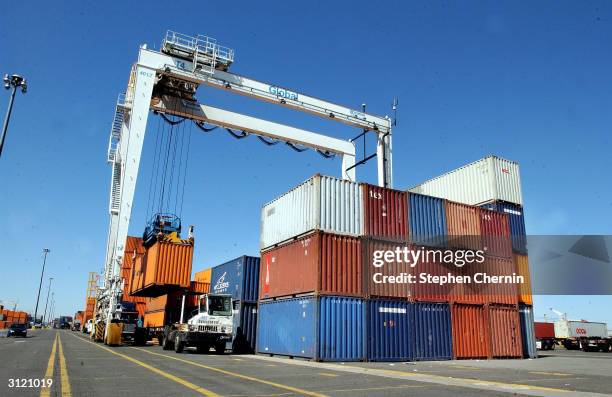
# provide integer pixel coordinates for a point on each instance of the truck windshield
(219, 305)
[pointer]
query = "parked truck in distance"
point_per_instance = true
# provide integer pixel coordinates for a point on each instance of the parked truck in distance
(545, 335)
(584, 335)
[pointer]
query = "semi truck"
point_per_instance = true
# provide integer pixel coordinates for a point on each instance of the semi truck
(584, 335)
(545, 335)
(209, 321)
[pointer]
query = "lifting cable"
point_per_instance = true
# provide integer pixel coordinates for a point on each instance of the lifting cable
(151, 203)
(296, 148)
(190, 132)
(267, 142)
(165, 170)
(170, 121)
(326, 154)
(242, 134)
(201, 125)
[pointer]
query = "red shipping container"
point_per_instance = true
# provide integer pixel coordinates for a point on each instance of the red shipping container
(470, 332)
(319, 262)
(385, 212)
(505, 327)
(463, 225)
(378, 283)
(495, 230)
(544, 330)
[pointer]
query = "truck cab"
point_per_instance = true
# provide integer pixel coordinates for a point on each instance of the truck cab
(210, 325)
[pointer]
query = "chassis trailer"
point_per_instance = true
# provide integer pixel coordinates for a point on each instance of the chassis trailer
(584, 335)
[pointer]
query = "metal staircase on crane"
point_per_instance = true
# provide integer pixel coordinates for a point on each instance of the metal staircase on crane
(117, 124)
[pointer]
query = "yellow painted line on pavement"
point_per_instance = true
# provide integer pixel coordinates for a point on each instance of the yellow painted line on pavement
(251, 378)
(328, 374)
(66, 390)
(46, 391)
(158, 371)
(549, 373)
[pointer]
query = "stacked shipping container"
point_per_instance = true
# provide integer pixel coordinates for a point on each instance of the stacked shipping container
(493, 183)
(8, 317)
(317, 245)
(239, 278)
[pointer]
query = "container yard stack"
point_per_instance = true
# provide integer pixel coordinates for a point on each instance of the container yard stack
(240, 279)
(311, 280)
(492, 183)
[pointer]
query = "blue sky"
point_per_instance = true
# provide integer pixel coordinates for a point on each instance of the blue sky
(526, 81)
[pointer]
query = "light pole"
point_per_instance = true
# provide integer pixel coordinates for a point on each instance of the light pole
(52, 307)
(15, 81)
(49, 290)
(45, 252)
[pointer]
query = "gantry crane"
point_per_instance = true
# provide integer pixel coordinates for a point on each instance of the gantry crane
(166, 81)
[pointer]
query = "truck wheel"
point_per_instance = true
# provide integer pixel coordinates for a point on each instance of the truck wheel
(551, 346)
(584, 347)
(203, 348)
(220, 347)
(160, 341)
(178, 345)
(166, 342)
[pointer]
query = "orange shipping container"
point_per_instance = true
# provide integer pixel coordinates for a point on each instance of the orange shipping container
(522, 269)
(489, 292)
(203, 276)
(166, 267)
(470, 332)
(134, 251)
(463, 225)
(504, 325)
(316, 263)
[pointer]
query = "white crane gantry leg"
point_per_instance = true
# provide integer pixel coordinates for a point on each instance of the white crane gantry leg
(129, 153)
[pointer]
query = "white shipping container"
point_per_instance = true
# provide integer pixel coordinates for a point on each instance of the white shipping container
(489, 179)
(321, 203)
(578, 329)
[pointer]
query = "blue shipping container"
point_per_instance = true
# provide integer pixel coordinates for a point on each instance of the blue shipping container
(527, 331)
(238, 277)
(427, 220)
(432, 331)
(389, 331)
(244, 327)
(327, 328)
(516, 220)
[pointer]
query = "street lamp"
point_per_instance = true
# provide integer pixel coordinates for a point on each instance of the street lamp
(15, 81)
(45, 252)
(46, 303)
(52, 307)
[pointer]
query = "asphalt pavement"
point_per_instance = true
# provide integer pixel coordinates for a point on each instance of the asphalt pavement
(80, 367)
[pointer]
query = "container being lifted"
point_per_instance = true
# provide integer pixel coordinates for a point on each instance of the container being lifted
(165, 267)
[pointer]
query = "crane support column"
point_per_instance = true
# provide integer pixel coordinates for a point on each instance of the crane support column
(384, 158)
(130, 150)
